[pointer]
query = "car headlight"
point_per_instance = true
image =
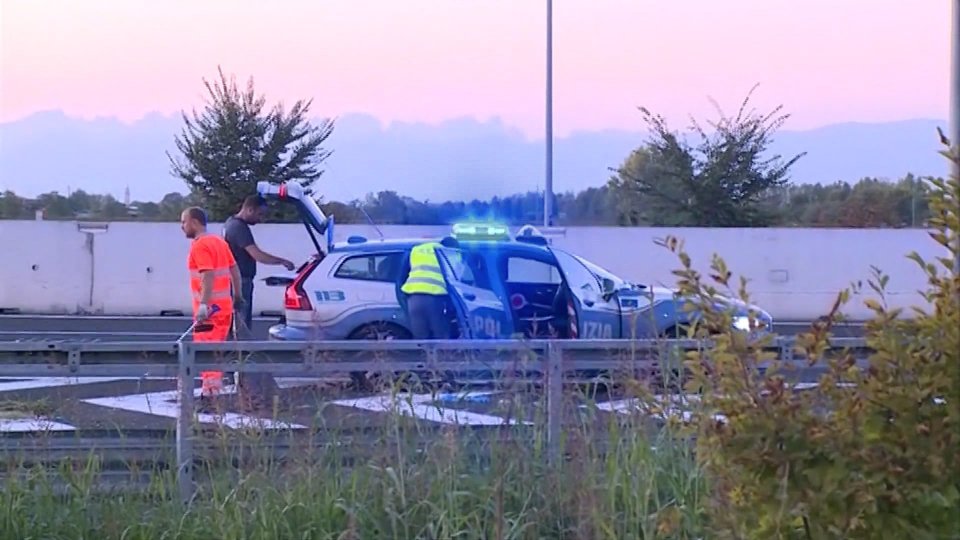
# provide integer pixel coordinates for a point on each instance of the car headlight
(742, 323)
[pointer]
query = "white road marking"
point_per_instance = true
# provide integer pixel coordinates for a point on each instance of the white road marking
(670, 405)
(28, 425)
(292, 382)
(809, 385)
(424, 407)
(52, 382)
(165, 404)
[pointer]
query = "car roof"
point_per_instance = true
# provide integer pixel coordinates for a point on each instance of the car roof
(377, 245)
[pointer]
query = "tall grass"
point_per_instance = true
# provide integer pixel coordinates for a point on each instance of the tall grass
(617, 479)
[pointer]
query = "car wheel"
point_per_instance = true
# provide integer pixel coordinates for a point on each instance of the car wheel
(380, 332)
(678, 331)
(672, 378)
(368, 381)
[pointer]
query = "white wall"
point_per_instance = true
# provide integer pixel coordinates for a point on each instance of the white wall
(140, 268)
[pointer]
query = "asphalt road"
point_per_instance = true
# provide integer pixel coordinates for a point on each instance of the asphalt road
(71, 405)
(22, 327)
(68, 406)
(14, 327)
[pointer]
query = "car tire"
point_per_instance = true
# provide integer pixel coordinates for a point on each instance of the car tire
(380, 332)
(677, 331)
(376, 332)
(673, 380)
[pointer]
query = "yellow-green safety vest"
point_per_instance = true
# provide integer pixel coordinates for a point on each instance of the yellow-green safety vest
(425, 275)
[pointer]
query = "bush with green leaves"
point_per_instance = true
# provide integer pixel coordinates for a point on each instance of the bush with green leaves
(872, 450)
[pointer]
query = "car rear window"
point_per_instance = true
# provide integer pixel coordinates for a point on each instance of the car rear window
(383, 267)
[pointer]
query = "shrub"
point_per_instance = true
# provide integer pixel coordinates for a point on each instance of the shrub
(873, 450)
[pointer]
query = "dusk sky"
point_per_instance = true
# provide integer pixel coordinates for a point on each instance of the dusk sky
(827, 61)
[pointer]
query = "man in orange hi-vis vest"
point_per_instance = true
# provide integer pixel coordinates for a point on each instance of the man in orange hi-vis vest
(214, 281)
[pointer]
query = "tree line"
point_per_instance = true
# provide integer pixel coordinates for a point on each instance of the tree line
(868, 203)
(724, 177)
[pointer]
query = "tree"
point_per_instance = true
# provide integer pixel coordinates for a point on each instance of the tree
(11, 206)
(237, 142)
(722, 181)
(55, 206)
(386, 207)
(636, 205)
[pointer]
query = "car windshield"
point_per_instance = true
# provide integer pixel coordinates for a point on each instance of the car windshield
(601, 272)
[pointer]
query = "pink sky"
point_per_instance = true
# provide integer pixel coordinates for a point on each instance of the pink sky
(429, 60)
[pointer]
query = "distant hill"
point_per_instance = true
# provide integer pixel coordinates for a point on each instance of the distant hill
(455, 160)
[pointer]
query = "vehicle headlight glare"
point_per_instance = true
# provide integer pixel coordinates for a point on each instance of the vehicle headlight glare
(742, 323)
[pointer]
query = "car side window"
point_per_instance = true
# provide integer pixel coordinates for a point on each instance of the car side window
(524, 270)
(475, 271)
(469, 268)
(383, 267)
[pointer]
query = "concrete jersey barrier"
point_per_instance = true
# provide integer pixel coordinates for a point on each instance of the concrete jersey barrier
(125, 268)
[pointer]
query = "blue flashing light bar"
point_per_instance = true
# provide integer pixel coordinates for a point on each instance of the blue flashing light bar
(480, 231)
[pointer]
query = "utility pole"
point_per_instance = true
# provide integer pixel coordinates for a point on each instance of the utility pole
(955, 100)
(548, 189)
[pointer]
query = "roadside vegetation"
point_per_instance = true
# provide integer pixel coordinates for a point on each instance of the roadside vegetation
(870, 452)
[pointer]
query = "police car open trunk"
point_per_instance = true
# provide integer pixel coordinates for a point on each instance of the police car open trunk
(316, 223)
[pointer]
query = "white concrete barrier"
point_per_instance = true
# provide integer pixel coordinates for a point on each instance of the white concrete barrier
(45, 267)
(140, 268)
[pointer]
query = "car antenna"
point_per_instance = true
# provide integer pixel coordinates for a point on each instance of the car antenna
(366, 215)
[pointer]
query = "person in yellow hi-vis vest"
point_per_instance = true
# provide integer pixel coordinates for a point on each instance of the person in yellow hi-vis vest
(426, 292)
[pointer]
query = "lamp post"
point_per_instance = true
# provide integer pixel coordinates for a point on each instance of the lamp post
(548, 188)
(955, 99)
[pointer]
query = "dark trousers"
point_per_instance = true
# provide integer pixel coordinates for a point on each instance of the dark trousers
(428, 319)
(244, 313)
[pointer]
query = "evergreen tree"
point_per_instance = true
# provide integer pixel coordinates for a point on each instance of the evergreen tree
(237, 142)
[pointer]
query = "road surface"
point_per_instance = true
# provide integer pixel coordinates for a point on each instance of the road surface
(88, 404)
(20, 327)
(70, 405)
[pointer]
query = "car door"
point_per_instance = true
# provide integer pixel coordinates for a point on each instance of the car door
(597, 317)
(481, 306)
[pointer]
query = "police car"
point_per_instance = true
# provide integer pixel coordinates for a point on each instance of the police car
(501, 287)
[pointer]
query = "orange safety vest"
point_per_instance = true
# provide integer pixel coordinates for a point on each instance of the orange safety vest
(210, 253)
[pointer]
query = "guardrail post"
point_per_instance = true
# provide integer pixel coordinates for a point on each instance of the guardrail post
(185, 378)
(786, 350)
(554, 401)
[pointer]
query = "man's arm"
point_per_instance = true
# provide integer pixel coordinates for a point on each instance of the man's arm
(240, 235)
(206, 286)
(201, 260)
(235, 281)
(265, 258)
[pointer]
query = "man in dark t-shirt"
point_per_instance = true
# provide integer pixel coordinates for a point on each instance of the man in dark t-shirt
(236, 231)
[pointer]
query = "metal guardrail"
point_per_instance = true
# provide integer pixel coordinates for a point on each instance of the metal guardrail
(162, 359)
(183, 360)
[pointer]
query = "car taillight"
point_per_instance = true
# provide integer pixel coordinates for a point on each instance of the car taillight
(295, 298)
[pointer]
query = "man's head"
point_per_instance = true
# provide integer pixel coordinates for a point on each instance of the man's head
(193, 222)
(253, 209)
(450, 242)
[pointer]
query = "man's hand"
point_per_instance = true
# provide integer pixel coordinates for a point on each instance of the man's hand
(287, 264)
(203, 312)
